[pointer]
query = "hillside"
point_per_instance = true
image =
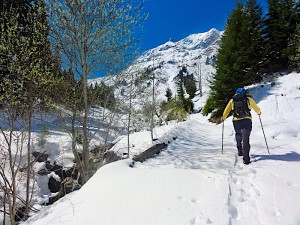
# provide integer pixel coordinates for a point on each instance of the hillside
(197, 53)
(191, 182)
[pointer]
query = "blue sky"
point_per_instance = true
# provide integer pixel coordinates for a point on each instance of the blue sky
(177, 19)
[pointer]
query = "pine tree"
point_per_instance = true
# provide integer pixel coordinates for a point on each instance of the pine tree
(190, 87)
(180, 91)
(185, 103)
(279, 27)
(169, 94)
(295, 56)
(255, 46)
(230, 64)
(239, 58)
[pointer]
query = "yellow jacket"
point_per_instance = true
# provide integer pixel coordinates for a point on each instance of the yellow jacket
(251, 104)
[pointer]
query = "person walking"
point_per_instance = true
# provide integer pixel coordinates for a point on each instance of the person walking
(241, 105)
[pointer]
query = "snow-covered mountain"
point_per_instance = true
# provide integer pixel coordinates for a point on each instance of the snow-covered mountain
(196, 53)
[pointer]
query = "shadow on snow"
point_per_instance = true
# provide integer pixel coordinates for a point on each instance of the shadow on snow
(288, 157)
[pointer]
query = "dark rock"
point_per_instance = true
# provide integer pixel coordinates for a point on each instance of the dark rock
(150, 152)
(102, 148)
(20, 214)
(53, 185)
(43, 172)
(72, 172)
(111, 156)
(55, 168)
(67, 186)
(40, 157)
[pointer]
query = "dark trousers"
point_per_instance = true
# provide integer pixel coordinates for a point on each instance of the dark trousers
(243, 129)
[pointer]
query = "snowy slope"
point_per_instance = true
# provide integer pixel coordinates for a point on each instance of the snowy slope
(165, 61)
(191, 182)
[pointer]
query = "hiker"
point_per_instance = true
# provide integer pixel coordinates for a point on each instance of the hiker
(241, 105)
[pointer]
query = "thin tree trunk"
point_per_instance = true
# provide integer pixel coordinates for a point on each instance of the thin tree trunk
(200, 79)
(29, 152)
(13, 177)
(129, 117)
(4, 208)
(153, 104)
(73, 136)
(85, 151)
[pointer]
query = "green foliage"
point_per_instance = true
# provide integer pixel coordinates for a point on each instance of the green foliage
(239, 57)
(174, 110)
(180, 91)
(177, 109)
(295, 55)
(279, 28)
(146, 75)
(209, 106)
(70, 93)
(27, 76)
(254, 49)
(178, 114)
(79, 138)
(185, 103)
(102, 95)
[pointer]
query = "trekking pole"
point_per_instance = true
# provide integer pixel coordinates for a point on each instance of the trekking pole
(264, 133)
(222, 135)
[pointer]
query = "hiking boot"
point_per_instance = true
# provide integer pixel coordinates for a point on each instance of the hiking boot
(240, 153)
(246, 162)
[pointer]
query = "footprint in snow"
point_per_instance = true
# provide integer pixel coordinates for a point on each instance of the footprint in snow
(234, 180)
(252, 171)
(195, 201)
(232, 210)
(240, 197)
(200, 220)
(293, 185)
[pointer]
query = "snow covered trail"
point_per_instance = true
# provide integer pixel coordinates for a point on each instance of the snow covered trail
(260, 193)
(198, 146)
(192, 183)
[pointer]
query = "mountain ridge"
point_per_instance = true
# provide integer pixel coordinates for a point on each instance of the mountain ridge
(196, 52)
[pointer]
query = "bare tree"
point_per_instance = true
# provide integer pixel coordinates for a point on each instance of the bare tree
(93, 36)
